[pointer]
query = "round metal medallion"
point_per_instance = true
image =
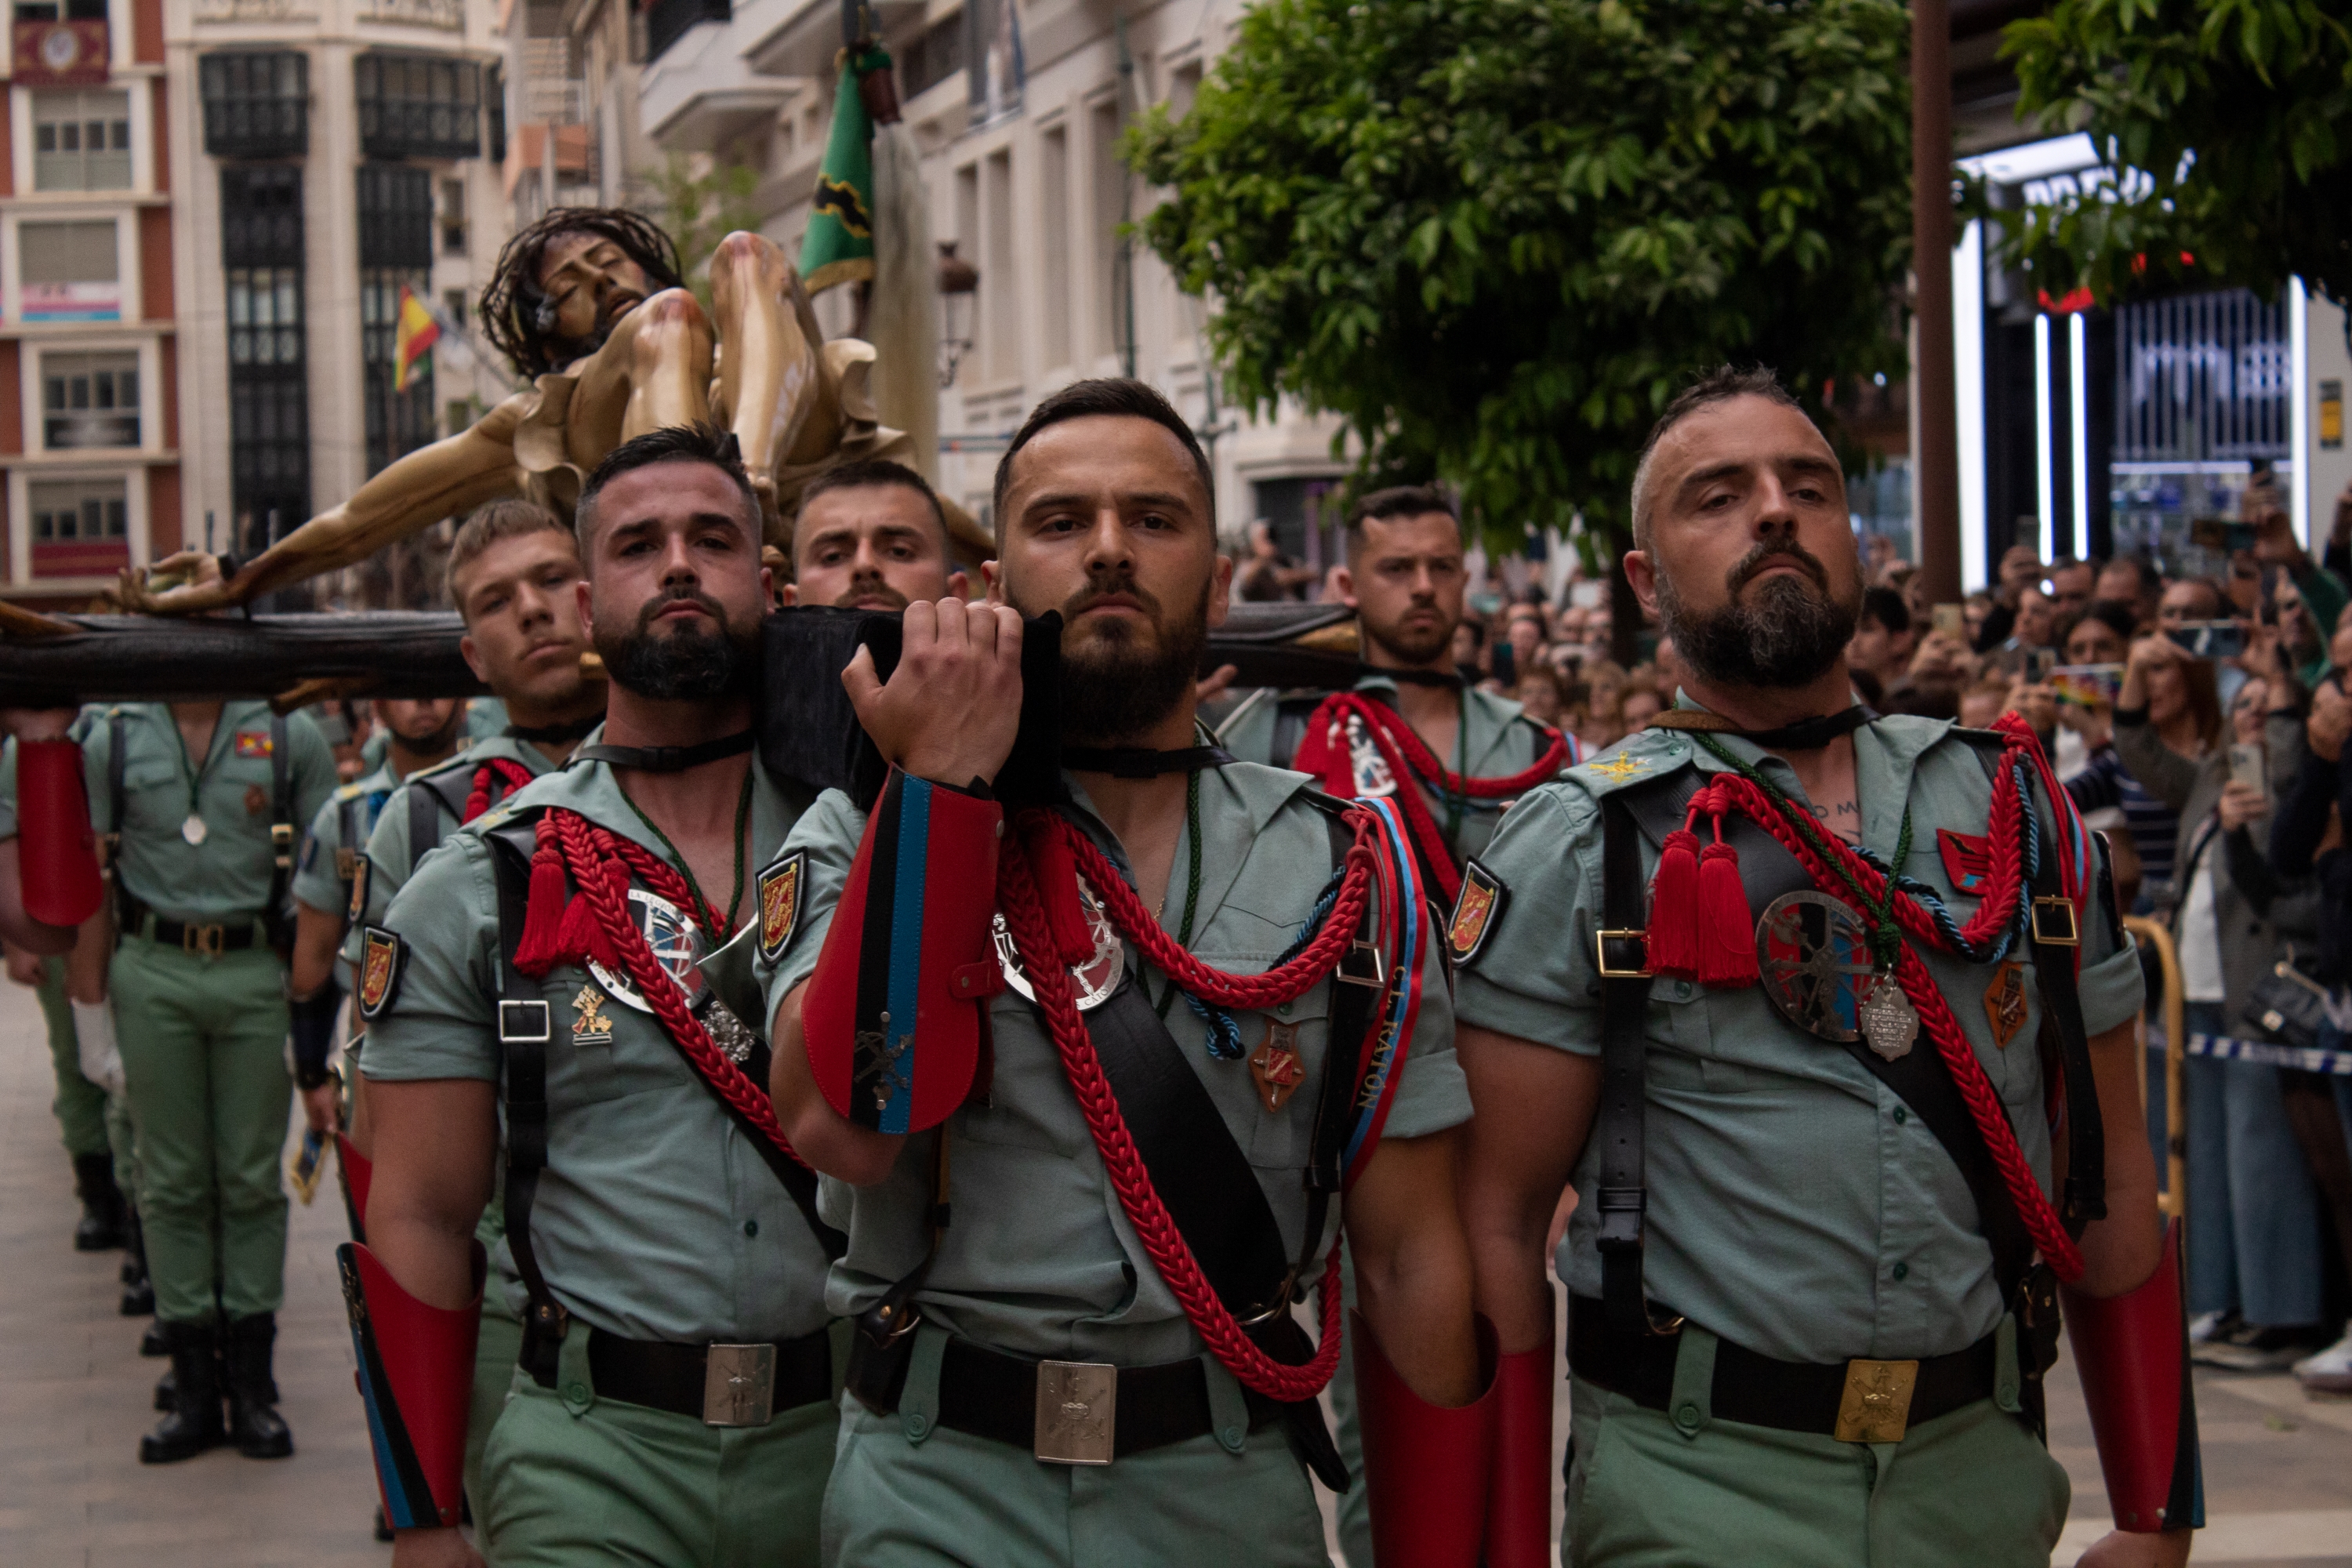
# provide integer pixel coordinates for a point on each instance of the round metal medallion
(1094, 979)
(1814, 954)
(677, 947)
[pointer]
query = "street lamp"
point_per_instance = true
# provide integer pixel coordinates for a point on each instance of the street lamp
(958, 282)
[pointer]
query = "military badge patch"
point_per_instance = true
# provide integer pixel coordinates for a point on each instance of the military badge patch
(780, 903)
(593, 1026)
(361, 866)
(1475, 912)
(256, 800)
(252, 744)
(382, 956)
(2004, 1002)
(1967, 859)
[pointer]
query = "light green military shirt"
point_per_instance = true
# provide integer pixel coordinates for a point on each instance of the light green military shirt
(229, 875)
(392, 859)
(318, 876)
(1495, 739)
(1039, 1259)
(654, 1218)
(1796, 1207)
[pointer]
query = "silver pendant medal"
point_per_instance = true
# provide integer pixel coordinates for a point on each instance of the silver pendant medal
(193, 830)
(1889, 1023)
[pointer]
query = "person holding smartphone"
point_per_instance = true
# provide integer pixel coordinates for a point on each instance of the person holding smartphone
(2168, 712)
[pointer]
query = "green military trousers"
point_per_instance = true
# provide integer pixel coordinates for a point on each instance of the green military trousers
(80, 1105)
(203, 1048)
(1678, 1488)
(909, 1493)
(495, 1349)
(573, 1478)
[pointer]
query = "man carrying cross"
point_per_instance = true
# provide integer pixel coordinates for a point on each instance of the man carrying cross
(569, 959)
(1816, 1269)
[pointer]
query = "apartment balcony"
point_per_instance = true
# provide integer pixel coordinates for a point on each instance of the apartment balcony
(700, 94)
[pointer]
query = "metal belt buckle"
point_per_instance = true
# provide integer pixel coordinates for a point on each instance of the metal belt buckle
(739, 1385)
(523, 1024)
(1876, 1405)
(204, 942)
(281, 836)
(2050, 937)
(1377, 978)
(1077, 1412)
(1601, 941)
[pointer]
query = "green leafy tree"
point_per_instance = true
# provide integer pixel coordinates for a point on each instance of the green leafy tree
(1496, 239)
(700, 210)
(2229, 124)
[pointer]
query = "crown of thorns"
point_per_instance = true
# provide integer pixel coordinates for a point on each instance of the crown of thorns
(512, 304)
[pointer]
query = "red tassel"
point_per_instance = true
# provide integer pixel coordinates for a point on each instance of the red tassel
(1057, 885)
(1727, 937)
(541, 948)
(1674, 909)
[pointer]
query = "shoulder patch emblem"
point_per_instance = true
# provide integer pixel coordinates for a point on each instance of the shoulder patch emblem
(1475, 912)
(360, 867)
(1619, 768)
(382, 956)
(780, 903)
(1967, 859)
(252, 744)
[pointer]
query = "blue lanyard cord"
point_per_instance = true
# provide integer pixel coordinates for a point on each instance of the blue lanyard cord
(1224, 1033)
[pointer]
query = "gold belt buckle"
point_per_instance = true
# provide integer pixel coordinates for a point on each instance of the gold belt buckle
(1601, 941)
(1877, 1408)
(1077, 1412)
(204, 942)
(739, 1385)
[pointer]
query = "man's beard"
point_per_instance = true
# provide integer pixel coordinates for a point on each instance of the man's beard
(687, 664)
(1116, 687)
(1783, 637)
(1411, 645)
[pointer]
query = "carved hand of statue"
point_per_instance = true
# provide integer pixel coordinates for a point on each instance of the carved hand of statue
(186, 583)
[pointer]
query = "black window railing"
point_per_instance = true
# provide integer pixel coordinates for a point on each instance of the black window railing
(418, 106)
(257, 103)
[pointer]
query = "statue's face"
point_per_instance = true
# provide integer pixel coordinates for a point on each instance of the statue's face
(592, 282)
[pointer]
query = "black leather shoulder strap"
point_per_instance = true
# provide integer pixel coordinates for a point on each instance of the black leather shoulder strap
(1622, 1198)
(525, 1029)
(285, 833)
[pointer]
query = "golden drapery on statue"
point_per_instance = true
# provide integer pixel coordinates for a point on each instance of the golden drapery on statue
(588, 303)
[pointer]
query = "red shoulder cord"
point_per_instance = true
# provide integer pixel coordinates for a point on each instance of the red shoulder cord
(1729, 790)
(1408, 756)
(568, 841)
(1020, 896)
(496, 769)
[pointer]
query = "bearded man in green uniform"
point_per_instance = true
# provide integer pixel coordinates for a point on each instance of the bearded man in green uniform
(1100, 1279)
(205, 799)
(1796, 996)
(673, 1399)
(513, 573)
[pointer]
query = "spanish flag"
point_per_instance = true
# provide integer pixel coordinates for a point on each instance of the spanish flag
(415, 334)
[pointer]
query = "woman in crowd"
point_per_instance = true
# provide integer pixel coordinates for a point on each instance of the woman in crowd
(2169, 710)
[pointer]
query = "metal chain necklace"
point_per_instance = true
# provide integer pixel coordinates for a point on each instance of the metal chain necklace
(722, 921)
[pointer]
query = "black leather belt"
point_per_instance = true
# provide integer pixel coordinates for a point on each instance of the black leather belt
(990, 1395)
(1856, 1401)
(718, 1384)
(204, 936)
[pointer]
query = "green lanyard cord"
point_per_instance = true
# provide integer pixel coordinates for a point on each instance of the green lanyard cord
(742, 816)
(1878, 914)
(1456, 804)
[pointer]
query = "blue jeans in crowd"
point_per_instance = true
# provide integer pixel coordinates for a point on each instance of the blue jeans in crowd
(2253, 1210)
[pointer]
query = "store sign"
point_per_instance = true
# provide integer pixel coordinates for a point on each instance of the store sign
(70, 301)
(60, 54)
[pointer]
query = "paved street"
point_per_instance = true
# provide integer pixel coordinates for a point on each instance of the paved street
(74, 1397)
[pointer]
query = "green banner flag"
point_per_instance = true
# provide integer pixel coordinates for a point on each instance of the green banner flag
(839, 247)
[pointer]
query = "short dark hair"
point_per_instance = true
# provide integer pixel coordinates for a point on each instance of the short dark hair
(489, 525)
(1400, 500)
(870, 472)
(2119, 617)
(700, 443)
(1719, 385)
(1121, 397)
(1885, 606)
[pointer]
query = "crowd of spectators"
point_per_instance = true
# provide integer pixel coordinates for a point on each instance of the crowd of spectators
(2197, 718)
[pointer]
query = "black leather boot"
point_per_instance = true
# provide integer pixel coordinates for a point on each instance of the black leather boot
(152, 1343)
(167, 1391)
(195, 1422)
(102, 1225)
(254, 1424)
(138, 1293)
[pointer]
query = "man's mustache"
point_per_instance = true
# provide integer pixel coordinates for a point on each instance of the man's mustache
(701, 601)
(1101, 588)
(1771, 554)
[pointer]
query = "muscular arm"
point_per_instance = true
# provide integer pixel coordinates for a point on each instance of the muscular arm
(2120, 1251)
(18, 927)
(447, 478)
(435, 1141)
(821, 1135)
(318, 936)
(1413, 1266)
(1534, 1110)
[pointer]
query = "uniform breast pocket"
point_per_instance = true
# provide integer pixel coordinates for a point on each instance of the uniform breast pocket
(582, 1018)
(1282, 1060)
(153, 796)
